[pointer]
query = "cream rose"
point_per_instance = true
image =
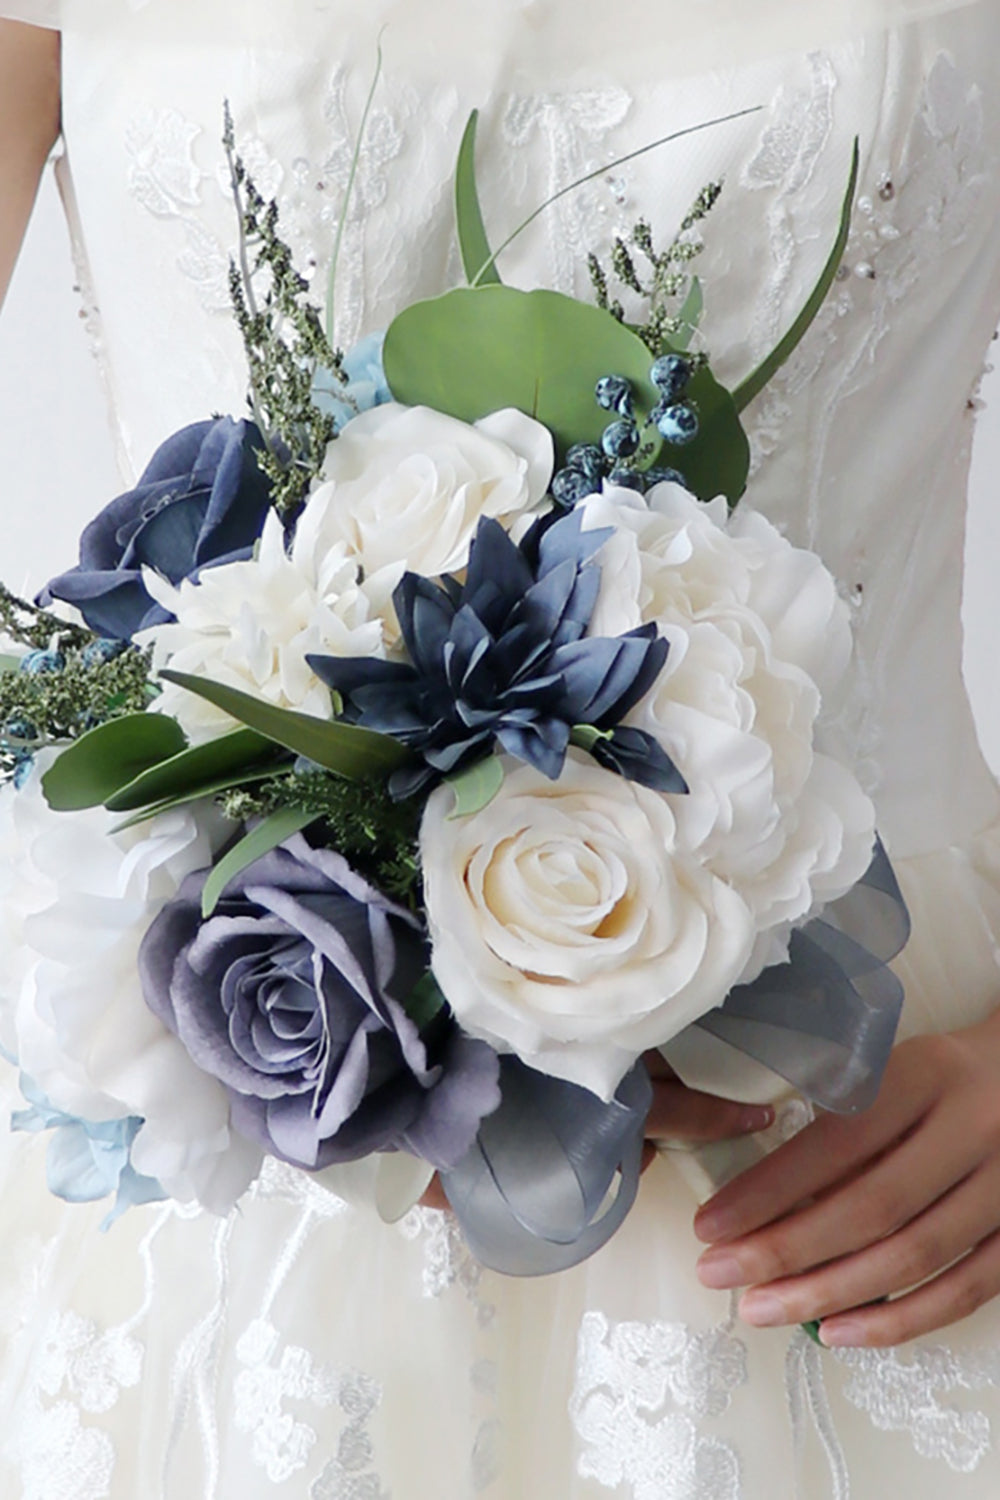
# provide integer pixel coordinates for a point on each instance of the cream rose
(569, 926)
(405, 487)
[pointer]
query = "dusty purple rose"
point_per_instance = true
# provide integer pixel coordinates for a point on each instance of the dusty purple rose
(201, 501)
(290, 994)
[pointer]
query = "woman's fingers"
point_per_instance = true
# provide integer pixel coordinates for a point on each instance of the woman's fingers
(924, 1248)
(682, 1114)
(891, 1191)
(832, 1150)
(949, 1297)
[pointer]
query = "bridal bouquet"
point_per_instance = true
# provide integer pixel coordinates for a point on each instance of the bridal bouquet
(400, 764)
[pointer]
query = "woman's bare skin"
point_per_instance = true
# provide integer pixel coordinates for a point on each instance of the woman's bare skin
(29, 128)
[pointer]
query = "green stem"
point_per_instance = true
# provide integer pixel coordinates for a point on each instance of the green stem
(610, 166)
(348, 191)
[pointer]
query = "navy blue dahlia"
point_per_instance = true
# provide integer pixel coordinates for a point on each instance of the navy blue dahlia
(503, 659)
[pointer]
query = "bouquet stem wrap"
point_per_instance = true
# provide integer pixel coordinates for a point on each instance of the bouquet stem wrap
(555, 1170)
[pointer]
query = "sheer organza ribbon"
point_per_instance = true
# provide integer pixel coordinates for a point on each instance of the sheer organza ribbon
(554, 1172)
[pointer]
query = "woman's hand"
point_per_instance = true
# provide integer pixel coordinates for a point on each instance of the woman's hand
(901, 1202)
(677, 1114)
(29, 128)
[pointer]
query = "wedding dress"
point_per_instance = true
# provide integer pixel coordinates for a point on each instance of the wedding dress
(300, 1347)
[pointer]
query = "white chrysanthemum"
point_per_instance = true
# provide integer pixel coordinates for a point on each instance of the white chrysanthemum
(79, 902)
(759, 643)
(251, 624)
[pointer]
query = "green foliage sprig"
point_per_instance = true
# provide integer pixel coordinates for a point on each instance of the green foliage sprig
(31, 626)
(58, 706)
(284, 341)
(664, 278)
(378, 836)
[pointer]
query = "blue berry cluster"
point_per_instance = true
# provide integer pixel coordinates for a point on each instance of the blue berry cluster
(589, 464)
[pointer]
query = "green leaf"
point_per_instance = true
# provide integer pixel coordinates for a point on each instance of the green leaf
(9, 663)
(475, 247)
(765, 372)
(424, 1001)
(357, 754)
(812, 1329)
(184, 776)
(477, 350)
(718, 461)
(210, 789)
(689, 316)
(274, 830)
(476, 787)
(585, 737)
(92, 769)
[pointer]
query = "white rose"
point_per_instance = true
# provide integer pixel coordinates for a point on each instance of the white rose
(251, 624)
(569, 927)
(407, 486)
(74, 1013)
(759, 644)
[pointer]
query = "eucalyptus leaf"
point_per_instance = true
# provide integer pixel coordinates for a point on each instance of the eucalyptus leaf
(765, 372)
(476, 787)
(689, 316)
(346, 750)
(268, 834)
(718, 461)
(472, 240)
(184, 776)
(479, 349)
(107, 758)
(424, 1001)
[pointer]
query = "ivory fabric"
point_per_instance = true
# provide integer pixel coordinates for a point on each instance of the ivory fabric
(301, 1347)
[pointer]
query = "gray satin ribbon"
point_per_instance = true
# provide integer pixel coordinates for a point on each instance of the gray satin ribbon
(555, 1170)
(826, 1020)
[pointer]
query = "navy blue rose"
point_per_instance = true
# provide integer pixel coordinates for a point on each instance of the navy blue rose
(292, 993)
(504, 658)
(202, 501)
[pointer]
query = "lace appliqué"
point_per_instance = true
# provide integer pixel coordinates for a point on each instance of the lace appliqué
(915, 212)
(639, 1387)
(76, 1369)
(281, 1443)
(572, 128)
(904, 1391)
(449, 1266)
(165, 179)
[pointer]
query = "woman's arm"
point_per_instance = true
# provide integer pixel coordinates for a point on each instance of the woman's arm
(29, 128)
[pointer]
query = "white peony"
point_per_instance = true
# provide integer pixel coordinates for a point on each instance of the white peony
(570, 926)
(407, 486)
(79, 902)
(251, 624)
(759, 644)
